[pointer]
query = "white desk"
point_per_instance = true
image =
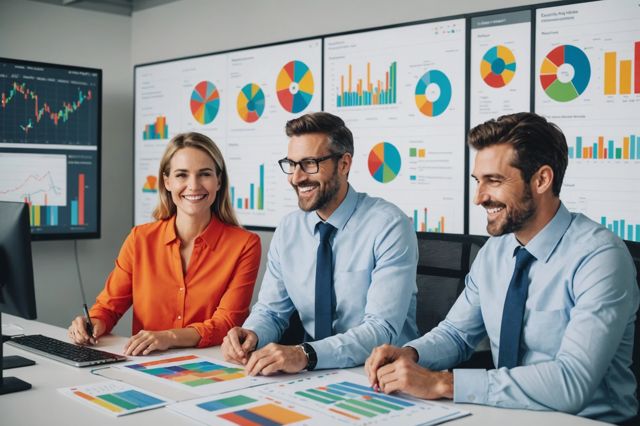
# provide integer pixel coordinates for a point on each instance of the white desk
(44, 405)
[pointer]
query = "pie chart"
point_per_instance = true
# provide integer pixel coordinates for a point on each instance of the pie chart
(295, 86)
(565, 73)
(205, 102)
(384, 162)
(498, 66)
(433, 93)
(250, 103)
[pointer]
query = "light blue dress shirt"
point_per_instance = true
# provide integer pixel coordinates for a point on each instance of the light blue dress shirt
(375, 253)
(578, 326)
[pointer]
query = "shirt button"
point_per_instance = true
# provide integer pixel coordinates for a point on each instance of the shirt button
(179, 316)
(181, 288)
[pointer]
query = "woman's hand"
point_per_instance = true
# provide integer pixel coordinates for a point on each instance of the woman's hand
(78, 333)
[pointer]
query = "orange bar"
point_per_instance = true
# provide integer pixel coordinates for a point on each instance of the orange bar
(441, 223)
(590, 152)
(386, 87)
(166, 361)
(349, 78)
(625, 77)
(423, 227)
(342, 87)
(610, 73)
(625, 148)
(368, 76)
(585, 152)
(421, 153)
(46, 199)
(600, 146)
(81, 199)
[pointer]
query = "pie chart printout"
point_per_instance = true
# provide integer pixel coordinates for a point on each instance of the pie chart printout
(384, 162)
(498, 66)
(205, 102)
(433, 93)
(565, 73)
(294, 86)
(250, 103)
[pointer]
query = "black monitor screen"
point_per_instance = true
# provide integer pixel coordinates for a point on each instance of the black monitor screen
(50, 120)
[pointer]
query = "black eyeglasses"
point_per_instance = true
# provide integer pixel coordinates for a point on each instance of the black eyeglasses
(308, 165)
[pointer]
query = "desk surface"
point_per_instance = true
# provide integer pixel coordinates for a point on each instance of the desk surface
(43, 404)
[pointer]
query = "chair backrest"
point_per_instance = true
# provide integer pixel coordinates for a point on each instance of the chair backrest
(444, 261)
(634, 249)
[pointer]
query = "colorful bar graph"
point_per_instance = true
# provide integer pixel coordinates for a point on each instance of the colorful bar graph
(622, 76)
(255, 200)
(622, 229)
(267, 414)
(194, 374)
(383, 92)
(157, 130)
(421, 225)
(626, 149)
(77, 205)
(120, 401)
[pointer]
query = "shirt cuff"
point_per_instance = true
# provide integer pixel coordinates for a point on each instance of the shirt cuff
(324, 350)
(263, 333)
(470, 385)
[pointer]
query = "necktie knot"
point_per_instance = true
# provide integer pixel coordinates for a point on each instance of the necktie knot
(523, 258)
(325, 230)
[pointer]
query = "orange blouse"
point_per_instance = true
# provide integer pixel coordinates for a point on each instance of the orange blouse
(212, 297)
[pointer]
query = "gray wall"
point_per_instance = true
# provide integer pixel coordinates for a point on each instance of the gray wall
(38, 31)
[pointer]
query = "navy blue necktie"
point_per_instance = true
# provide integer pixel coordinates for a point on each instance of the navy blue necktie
(513, 312)
(324, 283)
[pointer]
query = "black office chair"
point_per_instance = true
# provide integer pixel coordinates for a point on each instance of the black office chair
(444, 261)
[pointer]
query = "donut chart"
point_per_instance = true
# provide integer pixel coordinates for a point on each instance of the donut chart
(294, 86)
(498, 66)
(433, 93)
(205, 102)
(565, 73)
(384, 162)
(250, 103)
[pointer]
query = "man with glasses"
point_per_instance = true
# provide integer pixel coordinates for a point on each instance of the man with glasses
(345, 261)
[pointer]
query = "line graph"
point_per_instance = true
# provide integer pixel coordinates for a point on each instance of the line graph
(39, 179)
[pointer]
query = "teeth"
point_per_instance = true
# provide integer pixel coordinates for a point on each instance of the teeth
(194, 197)
(305, 188)
(495, 210)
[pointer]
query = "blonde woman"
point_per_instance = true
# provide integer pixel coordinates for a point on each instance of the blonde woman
(190, 274)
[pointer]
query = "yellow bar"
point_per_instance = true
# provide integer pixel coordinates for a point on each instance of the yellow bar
(278, 414)
(600, 146)
(369, 76)
(36, 215)
(421, 153)
(625, 148)
(349, 78)
(625, 77)
(610, 73)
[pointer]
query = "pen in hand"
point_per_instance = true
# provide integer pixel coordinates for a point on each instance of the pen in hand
(88, 321)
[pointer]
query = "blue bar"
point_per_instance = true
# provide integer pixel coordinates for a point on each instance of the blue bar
(622, 229)
(595, 150)
(415, 220)
(610, 149)
(412, 177)
(630, 232)
(362, 390)
(570, 152)
(254, 418)
(579, 147)
(615, 227)
(138, 398)
(632, 147)
(233, 195)
(251, 197)
(637, 233)
(239, 203)
(74, 212)
(262, 183)
(603, 221)
(610, 227)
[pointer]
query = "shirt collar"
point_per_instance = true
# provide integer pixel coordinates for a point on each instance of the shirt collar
(545, 241)
(210, 235)
(340, 216)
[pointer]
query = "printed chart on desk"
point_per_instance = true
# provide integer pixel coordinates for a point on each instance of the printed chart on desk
(242, 101)
(401, 92)
(588, 83)
(198, 375)
(500, 81)
(327, 398)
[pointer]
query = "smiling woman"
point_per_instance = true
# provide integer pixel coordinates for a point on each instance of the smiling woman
(189, 275)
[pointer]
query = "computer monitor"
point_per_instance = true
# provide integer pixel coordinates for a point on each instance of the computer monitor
(17, 295)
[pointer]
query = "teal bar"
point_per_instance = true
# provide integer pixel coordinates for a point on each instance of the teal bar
(637, 233)
(579, 147)
(632, 145)
(415, 220)
(610, 228)
(74, 212)
(251, 196)
(615, 227)
(610, 149)
(233, 195)
(618, 153)
(603, 220)
(571, 152)
(622, 226)
(239, 203)
(595, 150)
(630, 232)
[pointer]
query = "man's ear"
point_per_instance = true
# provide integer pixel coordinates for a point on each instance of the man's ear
(542, 180)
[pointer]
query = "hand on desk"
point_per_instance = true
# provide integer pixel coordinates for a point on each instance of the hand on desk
(78, 334)
(275, 358)
(145, 341)
(392, 369)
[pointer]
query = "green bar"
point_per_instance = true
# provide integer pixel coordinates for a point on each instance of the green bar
(384, 404)
(199, 382)
(413, 152)
(117, 401)
(618, 153)
(314, 397)
(325, 395)
(368, 406)
(260, 207)
(234, 401)
(355, 410)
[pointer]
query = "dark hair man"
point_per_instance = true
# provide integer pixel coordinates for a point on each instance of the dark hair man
(554, 291)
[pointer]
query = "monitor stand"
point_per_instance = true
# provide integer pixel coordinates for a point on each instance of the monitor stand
(11, 384)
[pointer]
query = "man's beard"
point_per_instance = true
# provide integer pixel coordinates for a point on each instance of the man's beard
(325, 197)
(519, 215)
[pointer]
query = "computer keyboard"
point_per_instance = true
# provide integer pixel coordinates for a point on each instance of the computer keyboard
(78, 356)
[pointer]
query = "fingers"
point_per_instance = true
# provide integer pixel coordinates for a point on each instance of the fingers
(237, 345)
(77, 332)
(262, 362)
(142, 343)
(379, 357)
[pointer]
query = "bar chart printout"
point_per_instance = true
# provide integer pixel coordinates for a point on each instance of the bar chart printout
(346, 398)
(255, 200)
(366, 92)
(114, 398)
(194, 374)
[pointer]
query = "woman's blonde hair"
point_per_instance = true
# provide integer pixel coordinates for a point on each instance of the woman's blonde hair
(221, 207)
